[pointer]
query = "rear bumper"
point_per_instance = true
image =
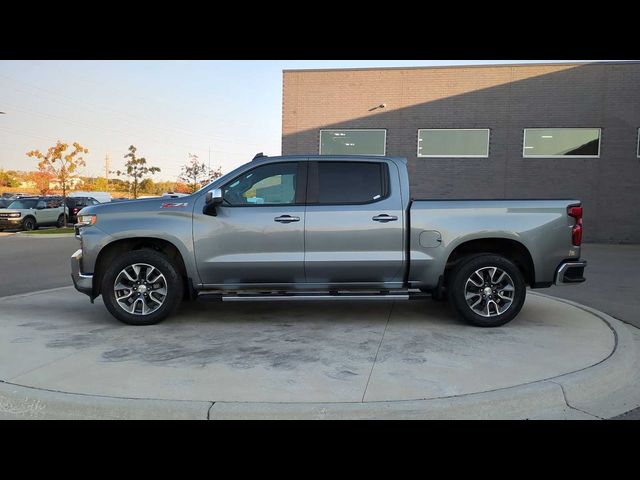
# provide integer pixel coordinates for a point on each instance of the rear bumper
(82, 282)
(570, 272)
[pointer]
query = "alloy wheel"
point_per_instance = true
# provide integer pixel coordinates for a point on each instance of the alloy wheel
(489, 291)
(140, 289)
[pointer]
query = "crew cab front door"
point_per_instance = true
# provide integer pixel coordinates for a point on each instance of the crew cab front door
(256, 237)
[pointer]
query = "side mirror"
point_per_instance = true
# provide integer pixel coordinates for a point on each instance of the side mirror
(212, 199)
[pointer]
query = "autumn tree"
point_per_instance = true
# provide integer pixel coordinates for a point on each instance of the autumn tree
(136, 169)
(196, 174)
(41, 178)
(62, 163)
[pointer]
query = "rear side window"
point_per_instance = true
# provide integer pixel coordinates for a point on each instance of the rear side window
(348, 182)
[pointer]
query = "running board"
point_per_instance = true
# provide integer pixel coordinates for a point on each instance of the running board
(302, 297)
(291, 297)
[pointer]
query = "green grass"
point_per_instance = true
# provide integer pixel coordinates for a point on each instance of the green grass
(49, 231)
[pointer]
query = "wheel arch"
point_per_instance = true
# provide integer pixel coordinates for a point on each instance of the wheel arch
(118, 247)
(507, 247)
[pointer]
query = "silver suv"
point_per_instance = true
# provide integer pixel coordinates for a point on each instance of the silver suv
(32, 212)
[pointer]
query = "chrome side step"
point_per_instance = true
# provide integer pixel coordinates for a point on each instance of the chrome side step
(306, 297)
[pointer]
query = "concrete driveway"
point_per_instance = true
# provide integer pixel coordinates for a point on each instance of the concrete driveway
(243, 359)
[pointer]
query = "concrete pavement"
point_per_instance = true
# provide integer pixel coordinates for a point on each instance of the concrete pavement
(352, 360)
(31, 264)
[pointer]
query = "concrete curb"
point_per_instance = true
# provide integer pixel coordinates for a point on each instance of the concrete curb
(45, 235)
(18, 402)
(584, 394)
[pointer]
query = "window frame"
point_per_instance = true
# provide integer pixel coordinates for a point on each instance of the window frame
(524, 142)
(419, 155)
(314, 188)
(638, 143)
(384, 130)
(301, 186)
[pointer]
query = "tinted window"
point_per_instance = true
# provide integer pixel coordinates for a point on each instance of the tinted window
(23, 204)
(353, 142)
(561, 142)
(453, 143)
(273, 184)
(350, 182)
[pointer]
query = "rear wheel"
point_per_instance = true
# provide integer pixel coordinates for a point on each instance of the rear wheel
(142, 287)
(487, 290)
(60, 222)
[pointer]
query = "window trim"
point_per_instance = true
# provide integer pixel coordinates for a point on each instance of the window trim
(353, 130)
(524, 142)
(301, 186)
(638, 144)
(313, 175)
(488, 130)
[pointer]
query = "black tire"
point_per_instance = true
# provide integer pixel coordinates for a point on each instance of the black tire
(174, 285)
(456, 290)
(60, 222)
(29, 224)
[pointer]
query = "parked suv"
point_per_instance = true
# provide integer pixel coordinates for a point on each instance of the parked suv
(29, 213)
(75, 204)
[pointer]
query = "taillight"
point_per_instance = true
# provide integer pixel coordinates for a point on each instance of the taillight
(576, 231)
(75, 210)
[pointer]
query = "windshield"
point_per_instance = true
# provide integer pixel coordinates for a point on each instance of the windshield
(23, 204)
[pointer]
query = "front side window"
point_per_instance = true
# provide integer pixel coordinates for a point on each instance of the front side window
(453, 142)
(23, 204)
(353, 142)
(561, 142)
(350, 182)
(272, 184)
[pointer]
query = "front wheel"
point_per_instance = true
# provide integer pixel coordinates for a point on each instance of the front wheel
(29, 224)
(487, 290)
(142, 287)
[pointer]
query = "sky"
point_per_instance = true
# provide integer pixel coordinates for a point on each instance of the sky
(223, 111)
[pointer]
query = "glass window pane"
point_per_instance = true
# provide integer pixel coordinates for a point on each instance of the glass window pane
(273, 184)
(349, 182)
(561, 142)
(353, 142)
(453, 143)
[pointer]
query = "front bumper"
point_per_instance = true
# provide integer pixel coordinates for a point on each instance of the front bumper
(10, 222)
(82, 282)
(570, 272)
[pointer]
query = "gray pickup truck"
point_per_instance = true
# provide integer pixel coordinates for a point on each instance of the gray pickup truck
(324, 228)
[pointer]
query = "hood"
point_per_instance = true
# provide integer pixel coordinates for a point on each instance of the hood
(139, 205)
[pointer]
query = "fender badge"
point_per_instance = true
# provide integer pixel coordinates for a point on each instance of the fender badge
(174, 205)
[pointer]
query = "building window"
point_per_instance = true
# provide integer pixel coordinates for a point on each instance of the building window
(561, 142)
(353, 142)
(453, 142)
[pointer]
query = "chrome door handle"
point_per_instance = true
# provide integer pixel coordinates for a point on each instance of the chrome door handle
(385, 218)
(286, 219)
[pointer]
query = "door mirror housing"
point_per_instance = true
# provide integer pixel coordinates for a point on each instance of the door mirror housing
(213, 198)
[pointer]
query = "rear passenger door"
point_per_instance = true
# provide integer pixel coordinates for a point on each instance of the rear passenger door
(354, 224)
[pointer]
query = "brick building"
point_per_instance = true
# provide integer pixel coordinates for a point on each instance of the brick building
(503, 131)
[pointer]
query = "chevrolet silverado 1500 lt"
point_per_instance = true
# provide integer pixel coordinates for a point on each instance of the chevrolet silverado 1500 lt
(324, 228)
